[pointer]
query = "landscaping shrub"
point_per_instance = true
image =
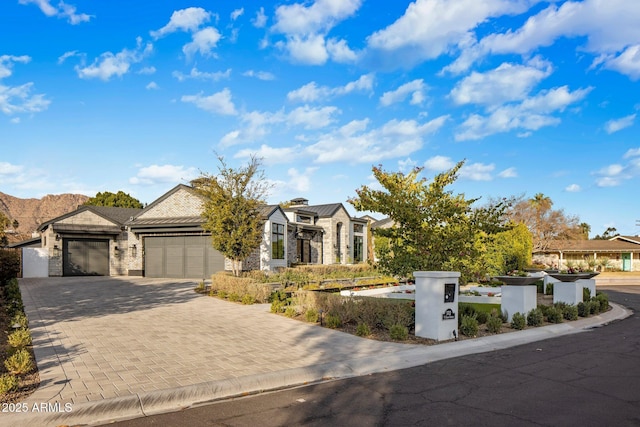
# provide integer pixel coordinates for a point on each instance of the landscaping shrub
(13, 298)
(9, 265)
(19, 363)
(549, 290)
(290, 312)
(539, 286)
(240, 286)
(199, 287)
(20, 319)
(247, 299)
(583, 309)
(603, 300)
(311, 315)
(19, 339)
(371, 312)
(399, 314)
(494, 323)
(234, 297)
(482, 317)
(554, 315)
(594, 307)
(8, 382)
(332, 321)
(518, 321)
(398, 332)
(219, 294)
(469, 326)
(586, 294)
(363, 330)
(570, 312)
(535, 317)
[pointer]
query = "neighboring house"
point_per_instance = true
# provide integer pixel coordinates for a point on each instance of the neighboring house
(325, 234)
(623, 252)
(91, 240)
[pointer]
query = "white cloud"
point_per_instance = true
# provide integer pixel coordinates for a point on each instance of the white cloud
(312, 92)
(300, 181)
(69, 54)
(507, 83)
(271, 155)
(152, 86)
(573, 188)
(609, 28)
(308, 93)
(109, 65)
(430, 28)
(200, 75)
(62, 10)
(632, 152)
(407, 164)
(354, 143)
(189, 19)
(161, 174)
(613, 126)
(219, 103)
(415, 89)
(260, 75)
(508, 173)
(477, 171)
(305, 29)
(260, 21)
(312, 118)
(439, 163)
(255, 125)
(237, 13)
(147, 71)
(204, 41)
(18, 99)
(531, 114)
(9, 169)
(340, 52)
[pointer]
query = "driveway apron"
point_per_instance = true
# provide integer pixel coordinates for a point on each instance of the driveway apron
(102, 337)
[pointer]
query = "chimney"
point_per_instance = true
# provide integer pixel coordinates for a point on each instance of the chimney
(300, 201)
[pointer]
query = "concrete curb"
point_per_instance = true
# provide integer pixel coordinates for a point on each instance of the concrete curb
(175, 399)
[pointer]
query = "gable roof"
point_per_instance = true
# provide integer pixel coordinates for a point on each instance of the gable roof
(632, 239)
(168, 194)
(383, 223)
(267, 210)
(592, 246)
(116, 215)
(324, 211)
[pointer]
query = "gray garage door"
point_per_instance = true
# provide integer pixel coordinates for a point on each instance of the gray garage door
(85, 257)
(190, 257)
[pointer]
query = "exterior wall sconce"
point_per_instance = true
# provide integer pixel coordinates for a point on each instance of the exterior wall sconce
(116, 251)
(57, 237)
(56, 251)
(134, 250)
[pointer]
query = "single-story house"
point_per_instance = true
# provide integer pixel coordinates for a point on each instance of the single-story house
(623, 252)
(166, 239)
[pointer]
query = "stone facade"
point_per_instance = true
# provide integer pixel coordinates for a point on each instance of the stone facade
(184, 202)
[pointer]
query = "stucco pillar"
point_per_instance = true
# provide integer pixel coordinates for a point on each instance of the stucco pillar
(437, 304)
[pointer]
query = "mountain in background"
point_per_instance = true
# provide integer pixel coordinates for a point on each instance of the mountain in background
(30, 213)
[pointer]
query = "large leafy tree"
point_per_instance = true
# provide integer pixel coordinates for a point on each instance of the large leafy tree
(434, 229)
(233, 199)
(117, 200)
(545, 223)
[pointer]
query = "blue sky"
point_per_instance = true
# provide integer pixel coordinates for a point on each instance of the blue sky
(537, 96)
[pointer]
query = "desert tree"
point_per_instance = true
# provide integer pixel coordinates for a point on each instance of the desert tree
(232, 203)
(116, 200)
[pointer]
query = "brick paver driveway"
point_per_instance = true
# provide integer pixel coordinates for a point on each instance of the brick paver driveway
(102, 337)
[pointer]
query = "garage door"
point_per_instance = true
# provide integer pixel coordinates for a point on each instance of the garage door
(85, 257)
(190, 257)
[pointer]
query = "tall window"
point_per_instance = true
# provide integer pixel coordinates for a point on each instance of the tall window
(277, 241)
(357, 248)
(338, 243)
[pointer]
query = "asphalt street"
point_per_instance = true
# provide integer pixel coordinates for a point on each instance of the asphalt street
(585, 379)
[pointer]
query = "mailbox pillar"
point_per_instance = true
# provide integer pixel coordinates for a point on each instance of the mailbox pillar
(437, 304)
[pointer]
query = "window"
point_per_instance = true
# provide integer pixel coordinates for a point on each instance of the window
(358, 228)
(303, 219)
(277, 241)
(358, 249)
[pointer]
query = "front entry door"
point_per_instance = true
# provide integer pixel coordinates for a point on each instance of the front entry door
(626, 262)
